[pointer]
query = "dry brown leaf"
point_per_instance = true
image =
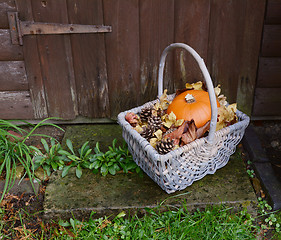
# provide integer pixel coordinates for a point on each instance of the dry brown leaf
(196, 86)
(257, 185)
(217, 90)
(170, 120)
(179, 122)
(158, 134)
(153, 142)
(177, 134)
(104, 224)
(190, 133)
(164, 103)
(222, 100)
(201, 131)
(138, 128)
(226, 116)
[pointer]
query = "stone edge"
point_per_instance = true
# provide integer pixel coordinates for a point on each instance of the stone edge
(262, 167)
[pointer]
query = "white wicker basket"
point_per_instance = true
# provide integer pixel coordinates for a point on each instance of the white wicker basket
(181, 167)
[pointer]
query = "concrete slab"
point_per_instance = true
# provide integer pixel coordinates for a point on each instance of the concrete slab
(112, 194)
(102, 133)
(23, 186)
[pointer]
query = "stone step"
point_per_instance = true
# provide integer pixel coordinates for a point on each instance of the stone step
(109, 195)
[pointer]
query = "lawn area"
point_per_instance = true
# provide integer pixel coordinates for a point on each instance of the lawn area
(213, 222)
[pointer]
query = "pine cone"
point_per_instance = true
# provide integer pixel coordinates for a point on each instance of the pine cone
(160, 112)
(147, 133)
(155, 123)
(145, 114)
(164, 146)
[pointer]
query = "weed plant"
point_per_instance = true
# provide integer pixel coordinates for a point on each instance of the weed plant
(78, 161)
(115, 159)
(14, 151)
(49, 160)
(110, 162)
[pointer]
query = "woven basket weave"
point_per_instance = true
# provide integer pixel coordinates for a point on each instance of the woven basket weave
(181, 167)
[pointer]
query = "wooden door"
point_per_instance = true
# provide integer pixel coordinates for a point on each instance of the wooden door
(99, 75)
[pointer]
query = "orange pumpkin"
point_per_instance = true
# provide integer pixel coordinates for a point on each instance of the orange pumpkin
(192, 104)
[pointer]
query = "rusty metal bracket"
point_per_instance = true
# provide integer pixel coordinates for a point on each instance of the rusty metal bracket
(18, 28)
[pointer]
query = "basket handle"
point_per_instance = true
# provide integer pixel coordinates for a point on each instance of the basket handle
(207, 79)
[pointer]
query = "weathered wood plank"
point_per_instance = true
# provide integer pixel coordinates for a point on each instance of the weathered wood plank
(269, 73)
(250, 48)
(234, 43)
(273, 12)
(13, 76)
(122, 52)
(156, 33)
(6, 6)
(224, 51)
(192, 28)
(56, 60)
(15, 105)
(271, 43)
(32, 64)
(8, 51)
(267, 102)
(89, 60)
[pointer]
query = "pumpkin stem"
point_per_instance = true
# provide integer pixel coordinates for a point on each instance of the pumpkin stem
(189, 98)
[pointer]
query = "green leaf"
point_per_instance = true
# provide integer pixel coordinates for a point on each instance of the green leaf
(104, 170)
(85, 164)
(121, 214)
(35, 149)
(53, 142)
(96, 164)
(78, 171)
(54, 165)
(63, 152)
(45, 145)
(72, 222)
(114, 143)
(112, 170)
(64, 223)
(65, 170)
(73, 157)
(131, 165)
(58, 158)
(87, 153)
(111, 155)
(38, 158)
(116, 166)
(110, 163)
(47, 168)
(83, 148)
(97, 149)
(70, 146)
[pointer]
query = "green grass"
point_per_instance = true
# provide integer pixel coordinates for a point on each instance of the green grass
(215, 222)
